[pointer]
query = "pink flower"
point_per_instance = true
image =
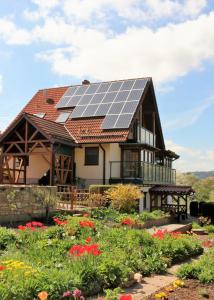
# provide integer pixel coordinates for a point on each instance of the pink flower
(77, 294)
(67, 294)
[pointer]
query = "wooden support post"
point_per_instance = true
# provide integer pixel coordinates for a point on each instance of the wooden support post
(1, 169)
(52, 166)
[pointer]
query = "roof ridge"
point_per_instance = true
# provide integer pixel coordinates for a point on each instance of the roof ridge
(96, 82)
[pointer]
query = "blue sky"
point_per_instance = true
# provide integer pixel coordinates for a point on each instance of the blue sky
(60, 42)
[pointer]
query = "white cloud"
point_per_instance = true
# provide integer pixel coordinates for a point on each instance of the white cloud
(190, 117)
(13, 35)
(1, 84)
(191, 159)
(166, 53)
(44, 7)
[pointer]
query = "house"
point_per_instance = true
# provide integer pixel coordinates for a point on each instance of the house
(93, 133)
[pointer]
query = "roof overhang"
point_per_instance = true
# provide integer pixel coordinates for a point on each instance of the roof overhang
(178, 190)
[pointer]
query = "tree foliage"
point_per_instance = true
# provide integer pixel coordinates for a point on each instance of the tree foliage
(204, 188)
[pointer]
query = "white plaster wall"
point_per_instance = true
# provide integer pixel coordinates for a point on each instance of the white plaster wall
(94, 174)
(37, 166)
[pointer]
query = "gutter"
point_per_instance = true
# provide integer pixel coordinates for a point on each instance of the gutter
(104, 163)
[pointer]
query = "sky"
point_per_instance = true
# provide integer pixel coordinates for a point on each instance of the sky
(50, 43)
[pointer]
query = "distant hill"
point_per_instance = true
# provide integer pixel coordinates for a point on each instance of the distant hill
(203, 174)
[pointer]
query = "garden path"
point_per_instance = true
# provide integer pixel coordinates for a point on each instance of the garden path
(170, 228)
(150, 285)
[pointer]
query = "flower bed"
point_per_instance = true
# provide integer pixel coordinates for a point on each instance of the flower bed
(82, 254)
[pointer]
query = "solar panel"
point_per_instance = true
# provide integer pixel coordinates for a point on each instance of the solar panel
(135, 95)
(62, 103)
(81, 89)
(116, 108)
(121, 96)
(97, 98)
(109, 97)
(103, 87)
(127, 85)
(117, 101)
(78, 111)
(102, 110)
(123, 121)
(130, 107)
(63, 117)
(90, 110)
(109, 122)
(115, 86)
(92, 88)
(85, 99)
(73, 101)
(140, 84)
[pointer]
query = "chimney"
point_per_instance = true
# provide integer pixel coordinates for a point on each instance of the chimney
(85, 81)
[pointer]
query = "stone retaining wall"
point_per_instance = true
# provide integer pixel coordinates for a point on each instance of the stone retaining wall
(21, 203)
(158, 222)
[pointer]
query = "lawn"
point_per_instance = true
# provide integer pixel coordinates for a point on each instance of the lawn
(83, 253)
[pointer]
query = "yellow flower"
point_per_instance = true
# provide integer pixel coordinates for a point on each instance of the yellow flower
(178, 283)
(161, 295)
(169, 289)
(43, 295)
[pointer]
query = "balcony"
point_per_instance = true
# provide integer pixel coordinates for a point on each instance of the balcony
(146, 137)
(141, 172)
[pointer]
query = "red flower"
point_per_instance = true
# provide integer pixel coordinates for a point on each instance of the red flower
(86, 215)
(78, 250)
(59, 222)
(126, 297)
(2, 268)
(208, 244)
(127, 221)
(86, 223)
(88, 240)
(21, 227)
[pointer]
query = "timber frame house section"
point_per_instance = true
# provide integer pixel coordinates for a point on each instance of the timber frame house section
(29, 136)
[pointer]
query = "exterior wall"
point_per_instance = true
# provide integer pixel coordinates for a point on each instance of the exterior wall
(37, 167)
(20, 203)
(94, 174)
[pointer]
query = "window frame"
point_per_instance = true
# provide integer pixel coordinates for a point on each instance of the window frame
(87, 163)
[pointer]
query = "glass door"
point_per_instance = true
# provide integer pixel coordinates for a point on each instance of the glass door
(131, 164)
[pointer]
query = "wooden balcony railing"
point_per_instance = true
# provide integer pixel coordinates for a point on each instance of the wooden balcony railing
(148, 173)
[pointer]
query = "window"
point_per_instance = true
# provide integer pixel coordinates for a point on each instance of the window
(92, 156)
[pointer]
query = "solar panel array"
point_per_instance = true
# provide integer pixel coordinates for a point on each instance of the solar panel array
(117, 101)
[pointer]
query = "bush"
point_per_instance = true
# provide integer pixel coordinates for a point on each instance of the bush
(209, 228)
(208, 210)
(99, 188)
(124, 197)
(7, 236)
(194, 208)
(203, 269)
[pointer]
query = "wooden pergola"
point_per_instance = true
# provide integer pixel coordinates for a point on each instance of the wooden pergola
(29, 135)
(177, 193)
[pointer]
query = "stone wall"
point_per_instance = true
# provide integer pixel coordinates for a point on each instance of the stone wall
(21, 203)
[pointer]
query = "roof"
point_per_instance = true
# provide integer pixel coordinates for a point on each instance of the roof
(52, 130)
(172, 189)
(83, 130)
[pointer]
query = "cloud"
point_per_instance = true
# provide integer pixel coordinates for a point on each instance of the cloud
(191, 159)
(13, 35)
(43, 9)
(166, 53)
(134, 10)
(1, 84)
(190, 117)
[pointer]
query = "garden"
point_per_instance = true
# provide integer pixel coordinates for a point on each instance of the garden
(98, 253)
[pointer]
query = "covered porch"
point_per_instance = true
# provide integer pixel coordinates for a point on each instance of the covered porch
(172, 199)
(36, 151)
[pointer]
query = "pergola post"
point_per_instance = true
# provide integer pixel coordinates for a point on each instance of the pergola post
(52, 166)
(1, 168)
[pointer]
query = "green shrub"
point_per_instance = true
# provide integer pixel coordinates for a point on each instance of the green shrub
(203, 269)
(99, 188)
(7, 237)
(209, 228)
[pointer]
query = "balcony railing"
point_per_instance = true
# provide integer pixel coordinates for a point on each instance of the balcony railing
(145, 136)
(145, 172)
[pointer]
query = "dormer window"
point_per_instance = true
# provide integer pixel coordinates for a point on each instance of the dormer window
(63, 117)
(40, 115)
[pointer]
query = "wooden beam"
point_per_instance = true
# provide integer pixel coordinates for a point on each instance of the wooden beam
(52, 166)
(19, 136)
(26, 137)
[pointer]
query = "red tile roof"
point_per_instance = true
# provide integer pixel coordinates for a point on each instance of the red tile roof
(82, 130)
